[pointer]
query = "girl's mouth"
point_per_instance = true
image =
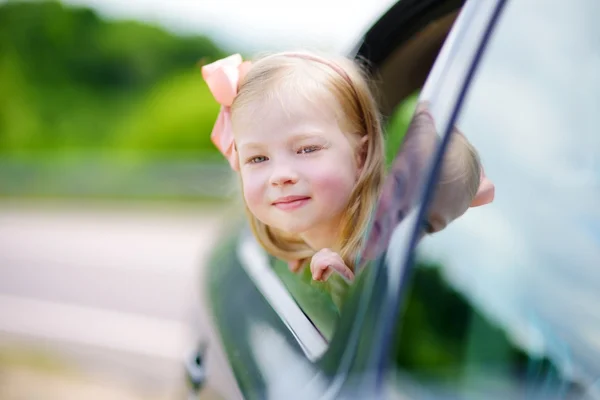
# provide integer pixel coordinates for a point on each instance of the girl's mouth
(290, 203)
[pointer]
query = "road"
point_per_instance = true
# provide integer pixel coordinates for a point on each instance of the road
(113, 292)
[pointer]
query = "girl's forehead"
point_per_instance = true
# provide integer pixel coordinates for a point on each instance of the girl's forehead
(285, 109)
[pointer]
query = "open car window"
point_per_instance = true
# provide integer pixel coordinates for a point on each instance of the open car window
(504, 302)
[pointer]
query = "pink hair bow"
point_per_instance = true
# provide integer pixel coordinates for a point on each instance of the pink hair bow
(485, 192)
(223, 78)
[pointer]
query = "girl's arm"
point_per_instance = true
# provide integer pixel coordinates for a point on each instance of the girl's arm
(402, 185)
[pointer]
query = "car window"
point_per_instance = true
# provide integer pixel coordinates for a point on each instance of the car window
(505, 301)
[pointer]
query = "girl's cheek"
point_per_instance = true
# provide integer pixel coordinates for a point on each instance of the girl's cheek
(253, 190)
(333, 182)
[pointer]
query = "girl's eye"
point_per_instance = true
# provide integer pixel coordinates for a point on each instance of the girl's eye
(257, 159)
(308, 149)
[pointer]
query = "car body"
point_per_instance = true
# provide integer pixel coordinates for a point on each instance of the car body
(505, 302)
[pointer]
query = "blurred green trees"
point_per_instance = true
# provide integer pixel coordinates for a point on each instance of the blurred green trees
(90, 107)
(70, 80)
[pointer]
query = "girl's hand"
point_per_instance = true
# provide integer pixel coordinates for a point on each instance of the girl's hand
(325, 262)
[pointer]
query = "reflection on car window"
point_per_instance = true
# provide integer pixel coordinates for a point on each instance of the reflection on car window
(505, 302)
(397, 126)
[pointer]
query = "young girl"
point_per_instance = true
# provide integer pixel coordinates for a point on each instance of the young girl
(304, 133)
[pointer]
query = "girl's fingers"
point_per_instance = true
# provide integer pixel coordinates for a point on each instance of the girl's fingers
(317, 268)
(326, 274)
(336, 263)
(343, 270)
(322, 268)
(317, 274)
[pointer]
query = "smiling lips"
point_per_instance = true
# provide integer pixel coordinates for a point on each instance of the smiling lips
(290, 203)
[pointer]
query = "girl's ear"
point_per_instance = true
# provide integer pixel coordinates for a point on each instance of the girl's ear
(362, 151)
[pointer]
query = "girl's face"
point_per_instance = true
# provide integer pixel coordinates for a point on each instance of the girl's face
(298, 168)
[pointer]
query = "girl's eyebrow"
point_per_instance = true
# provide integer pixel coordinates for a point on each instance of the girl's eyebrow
(250, 145)
(306, 135)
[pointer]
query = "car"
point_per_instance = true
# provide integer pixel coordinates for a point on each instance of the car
(504, 302)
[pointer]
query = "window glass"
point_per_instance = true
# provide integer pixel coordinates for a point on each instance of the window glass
(397, 125)
(504, 301)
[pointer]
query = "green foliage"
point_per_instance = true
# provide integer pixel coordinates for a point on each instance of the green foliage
(171, 117)
(71, 80)
(442, 337)
(105, 99)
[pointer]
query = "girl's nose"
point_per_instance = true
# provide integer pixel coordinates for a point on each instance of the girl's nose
(283, 175)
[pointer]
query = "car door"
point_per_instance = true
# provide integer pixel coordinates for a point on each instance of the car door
(505, 301)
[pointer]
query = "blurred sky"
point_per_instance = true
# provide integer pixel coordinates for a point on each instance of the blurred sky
(255, 25)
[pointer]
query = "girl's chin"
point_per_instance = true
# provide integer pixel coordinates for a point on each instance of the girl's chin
(294, 228)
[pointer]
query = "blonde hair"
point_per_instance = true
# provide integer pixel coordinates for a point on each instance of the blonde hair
(330, 77)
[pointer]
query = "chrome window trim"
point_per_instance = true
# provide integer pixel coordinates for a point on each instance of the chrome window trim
(255, 262)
